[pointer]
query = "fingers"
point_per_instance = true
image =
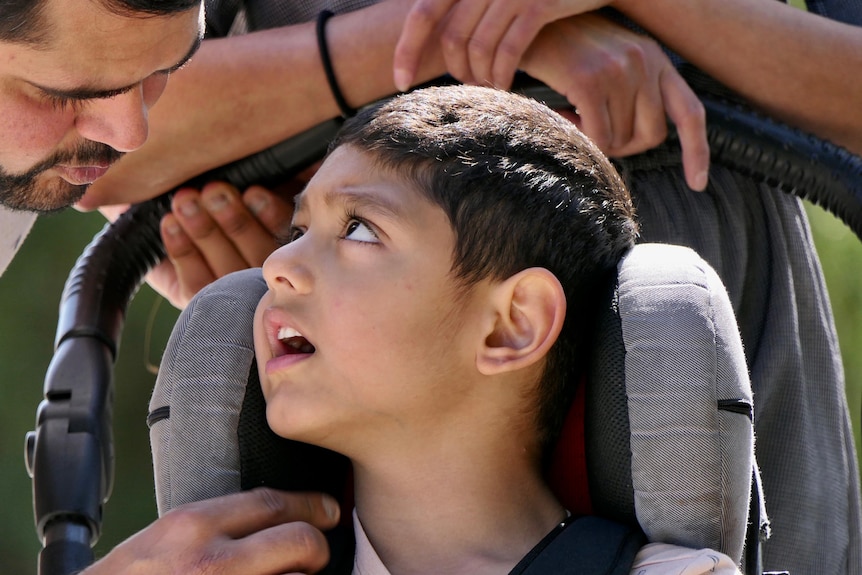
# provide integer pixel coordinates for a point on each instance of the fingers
(248, 512)
(240, 219)
(198, 216)
(648, 124)
(687, 113)
(418, 29)
(230, 232)
(482, 47)
(258, 531)
(270, 210)
(457, 40)
(215, 232)
(511, 47)
(186, 271)
(164, 280)
(595, 120)
(290, 547)
(591, 92)
(628, 87)
(625, 90)
(482, 41)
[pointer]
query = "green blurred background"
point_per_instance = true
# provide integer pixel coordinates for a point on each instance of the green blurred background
(29, 296)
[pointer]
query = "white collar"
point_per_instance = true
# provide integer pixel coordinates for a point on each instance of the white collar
(14, 227)
(365, 560)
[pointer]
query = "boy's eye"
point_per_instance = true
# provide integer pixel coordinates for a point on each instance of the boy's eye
(359, 231)
(293, 234)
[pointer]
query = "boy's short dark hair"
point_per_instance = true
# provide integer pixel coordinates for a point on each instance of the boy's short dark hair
(22, 21)
(523, 187)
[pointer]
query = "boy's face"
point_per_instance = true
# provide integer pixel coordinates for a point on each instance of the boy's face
(73, 106)
(363, 330)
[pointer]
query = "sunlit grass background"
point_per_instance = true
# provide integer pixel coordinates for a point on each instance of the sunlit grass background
(29, 296)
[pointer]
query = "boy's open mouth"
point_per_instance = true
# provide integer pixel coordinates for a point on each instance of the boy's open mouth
(293, 341)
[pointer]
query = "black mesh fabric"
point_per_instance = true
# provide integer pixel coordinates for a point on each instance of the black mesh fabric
(272, 461)
(608, 449)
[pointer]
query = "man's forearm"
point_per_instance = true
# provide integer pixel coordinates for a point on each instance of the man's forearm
(245, 93)
(799, 67)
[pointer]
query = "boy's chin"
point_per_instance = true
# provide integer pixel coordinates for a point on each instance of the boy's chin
(300, 425)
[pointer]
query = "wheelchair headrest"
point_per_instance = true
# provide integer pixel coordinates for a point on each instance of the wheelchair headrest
(686, 393)
(667, 408)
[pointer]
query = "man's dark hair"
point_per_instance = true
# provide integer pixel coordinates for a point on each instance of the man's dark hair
(522, 187)
(23, 21)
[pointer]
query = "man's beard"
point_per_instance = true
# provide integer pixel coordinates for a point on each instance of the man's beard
(26, 192)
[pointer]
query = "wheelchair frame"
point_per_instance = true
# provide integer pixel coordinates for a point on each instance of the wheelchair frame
(70, 453)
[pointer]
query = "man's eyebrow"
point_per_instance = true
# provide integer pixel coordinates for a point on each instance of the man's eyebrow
(87, 93)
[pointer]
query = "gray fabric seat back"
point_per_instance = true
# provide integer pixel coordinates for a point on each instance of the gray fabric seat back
(670, 441)
(689, 404)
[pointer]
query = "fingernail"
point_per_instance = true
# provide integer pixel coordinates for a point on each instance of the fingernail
(256, 203)
(215, 202)
(402, 79)
(172, 228)
(190, 209)
(331, 507)
(701, 180)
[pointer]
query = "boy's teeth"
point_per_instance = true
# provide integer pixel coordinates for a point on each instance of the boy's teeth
(288, 332)
(295, 340)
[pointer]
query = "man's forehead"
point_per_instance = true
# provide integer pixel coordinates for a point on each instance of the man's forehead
(96, 41)
(99, 17)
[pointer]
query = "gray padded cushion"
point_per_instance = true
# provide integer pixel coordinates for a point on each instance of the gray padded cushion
(691, 461)
(202, 380)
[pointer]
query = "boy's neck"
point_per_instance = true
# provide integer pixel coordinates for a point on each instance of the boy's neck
(438, 514)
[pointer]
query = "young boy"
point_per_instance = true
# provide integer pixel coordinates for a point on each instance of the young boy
(427, 320)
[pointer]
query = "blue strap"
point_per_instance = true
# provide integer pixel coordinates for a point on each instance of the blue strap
(584, 546)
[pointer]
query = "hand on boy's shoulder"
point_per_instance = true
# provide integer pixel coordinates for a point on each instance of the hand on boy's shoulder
(663, 558)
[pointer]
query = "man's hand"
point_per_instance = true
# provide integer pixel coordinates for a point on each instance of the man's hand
(482, 40)
(214, 232)
(256, 532)
(624, 88)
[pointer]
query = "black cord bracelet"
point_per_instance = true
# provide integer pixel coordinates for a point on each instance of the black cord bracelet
(346, 111)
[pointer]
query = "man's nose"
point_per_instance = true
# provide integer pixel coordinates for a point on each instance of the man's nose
(120, 122)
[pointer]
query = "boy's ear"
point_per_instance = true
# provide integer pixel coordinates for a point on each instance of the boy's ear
(529, 309)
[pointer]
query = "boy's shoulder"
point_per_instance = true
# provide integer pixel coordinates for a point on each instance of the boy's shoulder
(666, 559)
(601, 546)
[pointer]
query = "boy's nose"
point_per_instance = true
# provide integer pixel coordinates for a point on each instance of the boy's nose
(285, 271)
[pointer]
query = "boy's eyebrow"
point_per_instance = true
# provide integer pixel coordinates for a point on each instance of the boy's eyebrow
(89, 93)
(374, 202)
